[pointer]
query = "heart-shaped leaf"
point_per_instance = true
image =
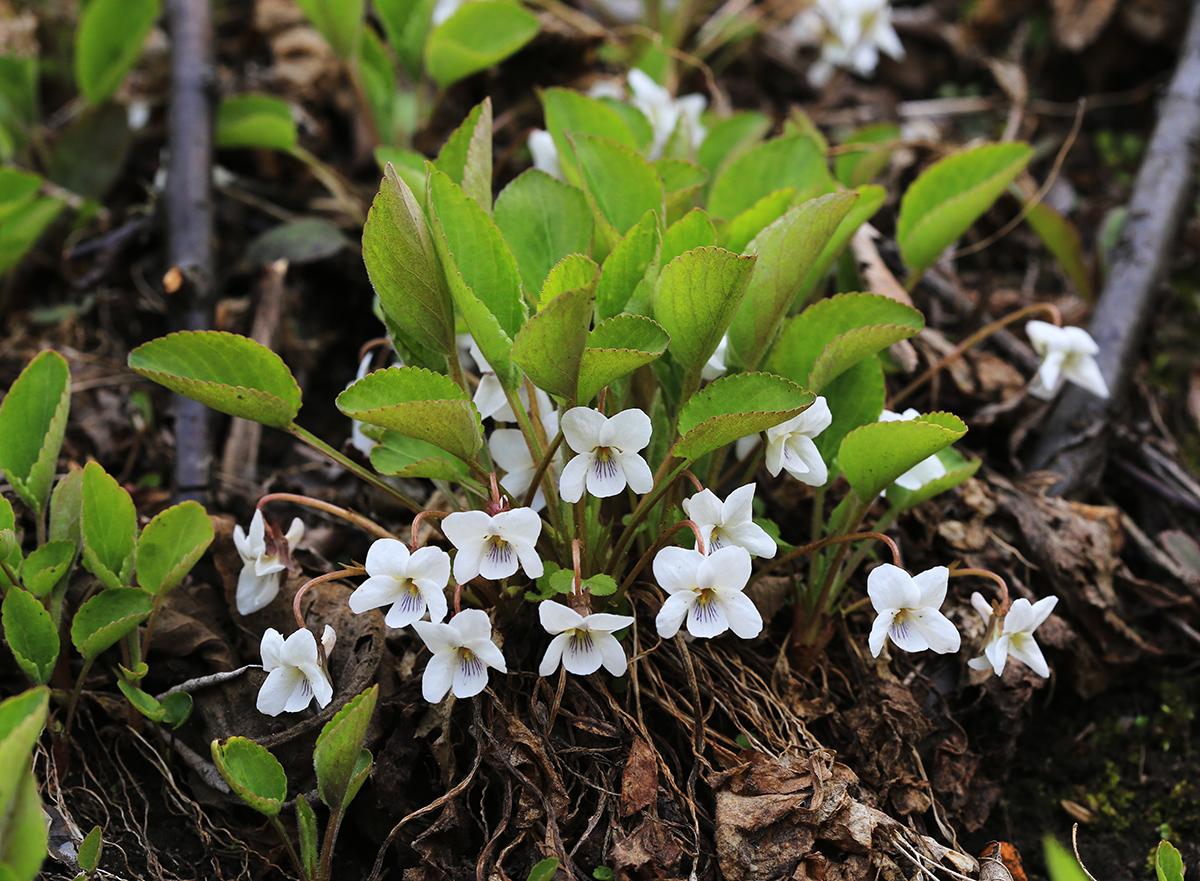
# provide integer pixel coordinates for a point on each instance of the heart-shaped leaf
(477, 36)
(30, 634)
(543, 220)
(170, 546)
(109, 527)
(790, 161)
(616, 347)
(629, 264)
(550, 346)
(873, 456)
(621, 186)
(252, 772)
(230, 373)
(107, 617)
(339, 746)
(33, 417)
(734, 407)
(402, 456)
(108, 42)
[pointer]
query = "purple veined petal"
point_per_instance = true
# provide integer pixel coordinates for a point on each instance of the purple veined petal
(270, 649)
(387, 556)
(438, 637)
(278, 690)
(612, 655)
(674, 610)
(936, 630)
(637, 473)
(744, 618)
(628, 431)
(498, 561)
(931, 585)
(890, 587)
(554, 654)
(727, 567)
(472, 624)
(606, 622)
(255, 592)
(605, 476)
(376, 591)
(318, 683)
(581, 427)
(573, 482)
(488, 652)
(438, 677)
(904, 634)
(556, 617)
(408, 607)
(675, 568)
(469, 561)
(1041, 611)
(706, 618)
(582, 656)
(1025, 649)
(880, 630)
(470, 676)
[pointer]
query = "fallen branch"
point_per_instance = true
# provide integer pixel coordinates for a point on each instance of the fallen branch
(1074, 441)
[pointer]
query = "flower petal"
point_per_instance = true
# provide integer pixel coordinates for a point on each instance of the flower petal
(387, 556)
(675, 568)
(270, 649)
(606, 622)
(410, 606)
(744, 618)
(1025, 649)
(637, 473)
(255, 592)
(438, 637)
(581, 427)
(628, 431)
(1041, 611)
(605, 476)
(879, 631)
(376, 591)
(278, 690)
(613, 655)
(890, 587)
(674, 610)
(438, 677)
(727, 567)
(706, 617)
(574, 477)
(554, 652)
(937, 630)
(488, 652)
(582, 655)
(1085, 373)
(931, 585)
(509, 450)
(470, 676)
(299, 648)
(556, 617)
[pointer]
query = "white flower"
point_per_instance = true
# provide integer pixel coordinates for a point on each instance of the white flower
(259, 580)
(510, 452)
(443, 9)
(410, 583)
(462, 652)
(358, 439)
(925, 471)
(490, 399)
(608, 453)
(707, 591)
(715, 366)
(1066, 352)
(1013, 635)
(730, 522)
(790, 446)
(665, 112)
(295, 673)
(492, 545)
(851, 34)
(545, 153)
(582, 644)
(908, 608)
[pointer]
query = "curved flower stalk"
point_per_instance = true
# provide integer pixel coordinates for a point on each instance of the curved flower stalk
(666, 112)
(851, 34)
(296, 673)
(1012, 635)
(262, 567)
(790, 447)
(462, 651)
(908, 608)
(723, 524)
(510, 451)
(494, 545)
(412, 584)
(607, 451)
(582, 644)
(1067, 353)
(706, 592)
(925, 471)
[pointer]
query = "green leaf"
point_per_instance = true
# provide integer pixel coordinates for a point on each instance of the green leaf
(107, 617)
(629, 264)
(833, 335)
(66, 507)
(339, 21)
(741, 230)
(616, 347)
(170, 546)
(478, 36)
(252, 772)
(569, 112)
(306, 827)
(1061, 238)
(230, 373)
(573, 271)
(544, 871)
(956, 472)
(33, 417)
(1061, 865)
(402, 456)
(601, 585)
(30, 634)
(144, 703)
(21, 719)
(109, 527)
(786, 251)
(870, 200)
(734, 407)
(550, 346)
(1168, 864)
(89, 152)
(23, 847)
(21, 228)
(406, 24)
(338, 747)
(46, 566)
(855, 398)
(378, 79)
(362, 770)
(305, 240)
(543, 220)
(856, 167)
(108, 42)
(731, 136)
(417, 403)
(177, 706)
(621, 186)
(697, 295)
(873, 456)
(90, 850)
(682, 180)
(255, 121)
(466, 157)
(790, 161)
(693, 230)
(8, 522)
(403, 266)
(950, 195)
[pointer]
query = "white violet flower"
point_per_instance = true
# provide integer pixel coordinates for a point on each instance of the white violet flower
(715, 366)
(1067, 353)
(666, 113)
(259, 580)
(510, 452)
(545, 153)
(443, 9)
(925, 471)
(790, 447)
(730, 522)
(851, 34)
(358, 438)
(492, 545)
(582, 644)
(462, 651)
(909, 610)
(296, 674)
(608, 453)
(490, 399)
(1013, 635)
(706, 590)
(410, 583)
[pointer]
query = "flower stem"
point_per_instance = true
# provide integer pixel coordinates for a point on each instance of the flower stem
(364, 523)
(349, 572)
(291, 848)
(661, 485)
(973, 340)
(353, 467)
(416, 525)
(660, 542)
(1005, 601)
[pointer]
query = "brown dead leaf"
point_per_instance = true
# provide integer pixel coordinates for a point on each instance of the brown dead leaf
(639, 782)
(1077, 23)
(651, 851)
